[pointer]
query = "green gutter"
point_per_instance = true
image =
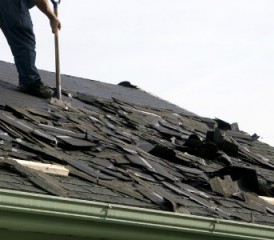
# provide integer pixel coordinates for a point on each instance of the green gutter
(24, 212)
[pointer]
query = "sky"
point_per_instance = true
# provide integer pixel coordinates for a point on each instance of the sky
(212, 57)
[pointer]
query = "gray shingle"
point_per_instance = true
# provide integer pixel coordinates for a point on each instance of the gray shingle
(125, 146)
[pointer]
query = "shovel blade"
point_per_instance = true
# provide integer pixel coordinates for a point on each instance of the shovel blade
(60, 103)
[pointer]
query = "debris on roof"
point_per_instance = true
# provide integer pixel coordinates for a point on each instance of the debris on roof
(121, 152)
(126, 84)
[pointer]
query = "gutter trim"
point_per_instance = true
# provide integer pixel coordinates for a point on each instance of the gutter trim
(29, 212)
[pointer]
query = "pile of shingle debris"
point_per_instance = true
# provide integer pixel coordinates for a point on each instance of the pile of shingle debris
(137, 156)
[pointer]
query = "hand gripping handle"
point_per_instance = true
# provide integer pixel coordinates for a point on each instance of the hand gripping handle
(55, 3)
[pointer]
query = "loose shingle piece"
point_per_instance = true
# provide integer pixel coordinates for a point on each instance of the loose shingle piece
(138, 155)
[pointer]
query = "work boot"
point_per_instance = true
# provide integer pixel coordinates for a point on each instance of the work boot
(37, 89)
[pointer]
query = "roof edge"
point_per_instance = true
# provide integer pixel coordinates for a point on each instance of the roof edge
(29, 212)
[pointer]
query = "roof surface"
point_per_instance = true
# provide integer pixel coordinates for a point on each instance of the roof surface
(125, 146)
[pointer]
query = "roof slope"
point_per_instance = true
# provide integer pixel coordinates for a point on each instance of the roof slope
(125, 146)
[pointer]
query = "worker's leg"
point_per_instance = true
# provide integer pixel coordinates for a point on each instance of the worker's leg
(18, 30)
(17, 26)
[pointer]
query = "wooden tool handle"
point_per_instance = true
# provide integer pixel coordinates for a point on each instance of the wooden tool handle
(57, 60)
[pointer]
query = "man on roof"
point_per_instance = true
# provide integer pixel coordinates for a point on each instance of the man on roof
(16, 24)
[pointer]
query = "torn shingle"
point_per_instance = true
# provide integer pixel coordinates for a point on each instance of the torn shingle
(120, 151)
(225, 186)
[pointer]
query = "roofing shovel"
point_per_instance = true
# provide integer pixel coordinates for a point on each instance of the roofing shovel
(57, 101)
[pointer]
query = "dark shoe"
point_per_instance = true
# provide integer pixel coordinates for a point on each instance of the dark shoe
(38, 90)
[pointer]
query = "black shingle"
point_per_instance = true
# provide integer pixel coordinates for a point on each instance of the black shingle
(125, 146)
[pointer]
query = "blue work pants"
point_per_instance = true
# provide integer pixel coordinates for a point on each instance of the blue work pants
(16, 24)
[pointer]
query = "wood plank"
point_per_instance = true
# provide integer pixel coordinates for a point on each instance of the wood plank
(44, 181)
(43, 167)
(268, 199)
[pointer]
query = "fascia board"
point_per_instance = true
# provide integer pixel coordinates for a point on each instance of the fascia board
(54, 215)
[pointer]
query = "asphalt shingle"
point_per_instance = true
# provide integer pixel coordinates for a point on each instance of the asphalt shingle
(125, 146)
